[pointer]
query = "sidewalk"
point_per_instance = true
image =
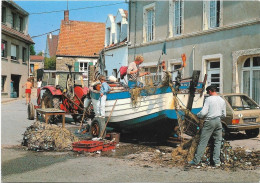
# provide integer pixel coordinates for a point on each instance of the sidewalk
(6, 99)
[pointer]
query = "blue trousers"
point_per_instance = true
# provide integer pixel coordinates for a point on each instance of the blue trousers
(212, 127)
(133, 84)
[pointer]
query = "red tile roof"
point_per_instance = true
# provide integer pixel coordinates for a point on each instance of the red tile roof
(36, 58)
(78, 38)
(53, 44)
(16, 33)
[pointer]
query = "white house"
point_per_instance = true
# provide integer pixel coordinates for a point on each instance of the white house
(116, 43)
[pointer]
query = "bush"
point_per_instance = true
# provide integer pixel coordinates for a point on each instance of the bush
(50, 63)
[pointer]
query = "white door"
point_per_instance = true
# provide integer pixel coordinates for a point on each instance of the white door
(213, 72)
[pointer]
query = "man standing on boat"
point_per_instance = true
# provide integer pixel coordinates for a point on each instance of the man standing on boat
(213, 110)
(133, 72)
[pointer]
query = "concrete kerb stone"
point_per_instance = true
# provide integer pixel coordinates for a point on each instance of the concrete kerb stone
(6, 100)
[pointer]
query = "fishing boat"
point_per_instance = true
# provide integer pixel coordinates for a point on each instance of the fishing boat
(153, 106)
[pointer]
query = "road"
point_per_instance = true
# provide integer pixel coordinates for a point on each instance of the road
(19, 165)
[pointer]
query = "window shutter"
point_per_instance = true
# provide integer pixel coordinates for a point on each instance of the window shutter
(76, 66)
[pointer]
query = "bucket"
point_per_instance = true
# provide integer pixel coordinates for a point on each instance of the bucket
(13, 95)
(115, 136)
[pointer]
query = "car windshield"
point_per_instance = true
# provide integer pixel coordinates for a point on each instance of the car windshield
(241, 102)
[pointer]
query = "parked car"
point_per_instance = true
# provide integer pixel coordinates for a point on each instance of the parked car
(243, 114)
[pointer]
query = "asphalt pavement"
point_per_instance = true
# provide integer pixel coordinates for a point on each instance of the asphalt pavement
(19, 165)
(14, 121)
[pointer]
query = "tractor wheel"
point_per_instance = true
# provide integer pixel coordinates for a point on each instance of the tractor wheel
(97, 127)
(252, 133)
(31, 111)
(51, 101)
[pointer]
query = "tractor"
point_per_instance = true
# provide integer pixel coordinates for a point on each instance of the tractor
(65, 91)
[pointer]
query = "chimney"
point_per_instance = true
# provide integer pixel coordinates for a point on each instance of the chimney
(50, 36)
(66, 15)
(43, 53)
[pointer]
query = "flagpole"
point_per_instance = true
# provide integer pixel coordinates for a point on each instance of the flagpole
(159, 61)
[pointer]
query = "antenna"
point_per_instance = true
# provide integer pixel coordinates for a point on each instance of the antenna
(67, 4)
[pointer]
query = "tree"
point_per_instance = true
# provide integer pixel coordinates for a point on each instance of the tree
(50, 63)
(40, 53)
(32, 51)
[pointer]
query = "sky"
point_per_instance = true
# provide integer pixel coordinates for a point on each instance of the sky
(47, 22)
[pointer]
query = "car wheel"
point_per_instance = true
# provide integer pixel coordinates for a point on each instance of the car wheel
(225, 132)
(252, 133)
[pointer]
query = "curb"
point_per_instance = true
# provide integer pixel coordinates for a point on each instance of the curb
(10, 100)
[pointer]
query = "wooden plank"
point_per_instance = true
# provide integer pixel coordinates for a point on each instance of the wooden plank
(50, 110)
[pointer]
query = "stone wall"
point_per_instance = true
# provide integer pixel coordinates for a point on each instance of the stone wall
(61, 66)
(62, 61)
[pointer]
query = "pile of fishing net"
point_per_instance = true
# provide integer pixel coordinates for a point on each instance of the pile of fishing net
(42, 136)
(148, 89)
(230, 158)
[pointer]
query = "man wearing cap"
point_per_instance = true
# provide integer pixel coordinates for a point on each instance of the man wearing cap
(213, 110)
(133, 72)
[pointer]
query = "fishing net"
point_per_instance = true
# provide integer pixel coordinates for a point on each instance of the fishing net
(230, 158)
(135, 96)
(148, 89)
(41, 136)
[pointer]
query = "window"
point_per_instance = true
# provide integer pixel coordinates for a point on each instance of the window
(4, 14)
(178, 15)
(149, 22)
(152, 75)
(83, 66)
(214, 10)
(108, 32)
(3, 83)
(212, 13)
(13, 21)
(31, 68)
(150, 25)
(4, 48)
(241, 102)
(14, 52)
(24, 55)
(20, 24)
(251, 78)
(105, 73)
(175, 67)
(114, 72)
(118, 28)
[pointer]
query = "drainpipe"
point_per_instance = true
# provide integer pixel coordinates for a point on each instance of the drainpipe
(29, 61)
(135, 26)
